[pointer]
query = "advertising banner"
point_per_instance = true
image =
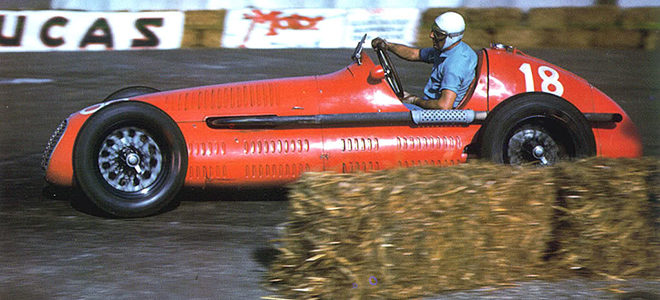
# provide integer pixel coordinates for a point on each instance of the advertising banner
(317, 28)
(80, 31)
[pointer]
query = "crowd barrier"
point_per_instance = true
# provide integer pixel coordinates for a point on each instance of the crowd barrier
(574, 27)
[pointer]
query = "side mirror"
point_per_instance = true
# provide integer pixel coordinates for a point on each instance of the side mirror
(377, 73)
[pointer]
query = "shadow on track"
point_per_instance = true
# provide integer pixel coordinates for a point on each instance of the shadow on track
(81, 203)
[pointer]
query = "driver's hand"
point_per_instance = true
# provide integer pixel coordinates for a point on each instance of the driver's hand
(379, 43)
(409, 98)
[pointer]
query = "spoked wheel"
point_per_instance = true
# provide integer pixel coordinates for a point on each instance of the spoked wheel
(130, 159)
(536, 128)
(533, 144)
(391, 75)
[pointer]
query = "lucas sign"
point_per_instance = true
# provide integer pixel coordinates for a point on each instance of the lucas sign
(80, 31)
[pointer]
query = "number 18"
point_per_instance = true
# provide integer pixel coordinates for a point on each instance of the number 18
(549, 77)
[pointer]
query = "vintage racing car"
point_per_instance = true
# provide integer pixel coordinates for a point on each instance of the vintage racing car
(131, 153)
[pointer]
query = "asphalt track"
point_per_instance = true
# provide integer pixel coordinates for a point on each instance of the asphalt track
(216, 244)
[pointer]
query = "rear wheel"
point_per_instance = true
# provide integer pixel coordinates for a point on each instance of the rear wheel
(130, 159)
(536, 128)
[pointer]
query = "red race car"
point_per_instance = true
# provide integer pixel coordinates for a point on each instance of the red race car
(132, 153)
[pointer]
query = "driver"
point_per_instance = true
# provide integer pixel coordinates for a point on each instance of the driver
(453, 60)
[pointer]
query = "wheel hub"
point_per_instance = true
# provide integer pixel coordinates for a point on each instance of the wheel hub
(132, 160)
(539, 153)
(532, 145)
(129, 159)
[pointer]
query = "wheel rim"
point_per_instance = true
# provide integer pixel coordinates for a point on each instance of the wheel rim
(130, 160)
(533, 145)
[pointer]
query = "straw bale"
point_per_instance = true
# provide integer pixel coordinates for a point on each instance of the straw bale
(203, 28)
(416, 232)
(193, 38)
(617, 38)
(650, 40)
(548, 18)
(404, 233)
(607, 218)
(647, 18)
(491, 18)
(591, 17)
(522, 37)
(476, 38)
(568, 38)
(594, 17)
(205, 19)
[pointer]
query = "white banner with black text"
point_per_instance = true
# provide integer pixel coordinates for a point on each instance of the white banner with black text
(22, 31)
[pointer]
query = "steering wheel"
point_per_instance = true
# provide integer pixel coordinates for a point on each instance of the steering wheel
(390, 73)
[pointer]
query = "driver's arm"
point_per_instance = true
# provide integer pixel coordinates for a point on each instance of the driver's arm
(402, 51)
(446, 101)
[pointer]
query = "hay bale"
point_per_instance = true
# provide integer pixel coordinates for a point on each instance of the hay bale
(404, 233)
(477, 38)
(416, 231)
(204, 38)
(607, 218)
(590, 17)
(547, 18)
(594, 17)
(203, 28)
(644, 18)
(625, 39)
(568, 38)
(205, 19)
(522, 37)
(492, 18)
(650, 40)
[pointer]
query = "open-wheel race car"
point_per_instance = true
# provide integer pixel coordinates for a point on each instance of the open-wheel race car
(131, 153)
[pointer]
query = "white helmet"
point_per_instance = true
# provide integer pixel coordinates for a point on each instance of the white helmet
(449, 24)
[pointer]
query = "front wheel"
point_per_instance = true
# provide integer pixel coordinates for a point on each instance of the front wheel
(130, 159)
(536, 128)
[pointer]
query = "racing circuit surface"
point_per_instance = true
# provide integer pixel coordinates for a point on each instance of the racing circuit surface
(216, 244)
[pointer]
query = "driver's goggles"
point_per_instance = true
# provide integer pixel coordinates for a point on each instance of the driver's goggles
(440, 34)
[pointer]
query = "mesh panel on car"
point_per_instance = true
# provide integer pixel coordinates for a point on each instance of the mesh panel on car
(422, 117)
(52, 142)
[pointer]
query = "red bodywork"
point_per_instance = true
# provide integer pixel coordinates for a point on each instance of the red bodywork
(231, 157)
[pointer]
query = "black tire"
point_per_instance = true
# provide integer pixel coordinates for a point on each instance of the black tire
(130, 159)
(131, 91)
(536, 128)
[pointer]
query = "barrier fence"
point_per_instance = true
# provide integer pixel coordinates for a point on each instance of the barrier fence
(575, 27)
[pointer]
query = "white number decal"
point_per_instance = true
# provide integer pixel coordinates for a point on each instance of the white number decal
(549, 77)
(529, 80)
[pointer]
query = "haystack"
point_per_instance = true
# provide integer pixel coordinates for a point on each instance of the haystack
(406, 233)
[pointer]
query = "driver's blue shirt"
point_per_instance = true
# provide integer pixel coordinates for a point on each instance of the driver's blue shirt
(453, 70)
